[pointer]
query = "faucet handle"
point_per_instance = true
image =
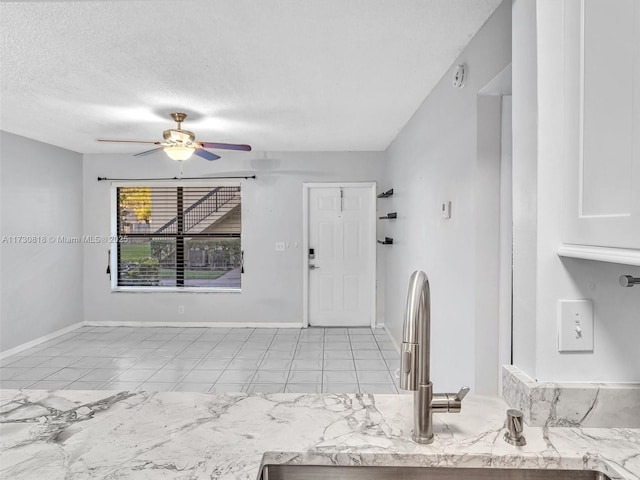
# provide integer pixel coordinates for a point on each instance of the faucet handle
(448, 402)
(461, 394)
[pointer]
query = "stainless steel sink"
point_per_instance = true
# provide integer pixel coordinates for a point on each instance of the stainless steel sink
(320, 472)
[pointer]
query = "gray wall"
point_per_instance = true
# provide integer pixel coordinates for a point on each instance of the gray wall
(41, 289)
(435, 159)
(271, 212)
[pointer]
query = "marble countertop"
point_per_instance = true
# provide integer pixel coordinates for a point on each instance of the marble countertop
(171, 435)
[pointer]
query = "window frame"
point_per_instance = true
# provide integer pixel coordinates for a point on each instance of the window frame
(113, 251)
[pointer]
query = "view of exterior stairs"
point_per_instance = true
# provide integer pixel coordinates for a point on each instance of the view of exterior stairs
(216, 212)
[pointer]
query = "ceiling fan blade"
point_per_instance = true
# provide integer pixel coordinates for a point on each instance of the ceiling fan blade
(226, 146)
(141, 154)
(204, 154)
(126, 141)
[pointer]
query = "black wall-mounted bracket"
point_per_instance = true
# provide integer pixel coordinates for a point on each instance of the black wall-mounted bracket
(629, 281)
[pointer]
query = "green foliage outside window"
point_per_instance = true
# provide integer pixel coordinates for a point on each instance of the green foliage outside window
(142, 271)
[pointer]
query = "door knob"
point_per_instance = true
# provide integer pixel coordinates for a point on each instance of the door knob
(313, 267)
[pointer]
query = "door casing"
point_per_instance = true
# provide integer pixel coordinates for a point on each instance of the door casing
(305, 244)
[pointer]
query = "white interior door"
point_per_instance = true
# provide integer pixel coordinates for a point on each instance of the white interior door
(341, 283)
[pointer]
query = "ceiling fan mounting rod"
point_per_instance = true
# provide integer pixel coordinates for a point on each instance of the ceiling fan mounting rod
(179, 118)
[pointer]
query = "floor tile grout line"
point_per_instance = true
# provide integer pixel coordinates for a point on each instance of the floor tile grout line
(232, 359)
(353, 359)
(186, 346)
(286, 383)
(201, 360)
(263, 356)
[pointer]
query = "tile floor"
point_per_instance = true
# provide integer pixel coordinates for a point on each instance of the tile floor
(339, 360)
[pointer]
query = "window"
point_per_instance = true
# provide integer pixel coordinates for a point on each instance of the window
(178, 237)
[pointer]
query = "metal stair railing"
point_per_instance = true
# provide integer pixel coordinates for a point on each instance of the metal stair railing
(203, 208)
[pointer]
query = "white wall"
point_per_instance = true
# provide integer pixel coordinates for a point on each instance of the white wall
(271, 212)
(41, 282)
(525, 181)
(487, 240)
(434, 159)
(616, 357)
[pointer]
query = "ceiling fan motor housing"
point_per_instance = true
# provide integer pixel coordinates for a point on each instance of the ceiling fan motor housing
(178, 136)
(182, 137)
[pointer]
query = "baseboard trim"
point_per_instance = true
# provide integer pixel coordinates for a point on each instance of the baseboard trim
(92, 323)
(39, 340)
(393, 340)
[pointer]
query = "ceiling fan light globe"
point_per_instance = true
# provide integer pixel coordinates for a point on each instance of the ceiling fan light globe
(179, 153)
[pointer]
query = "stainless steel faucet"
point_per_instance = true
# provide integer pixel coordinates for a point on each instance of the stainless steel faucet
(415, 362)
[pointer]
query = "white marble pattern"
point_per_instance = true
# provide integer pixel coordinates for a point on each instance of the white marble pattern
(171, 435)
(571, 404)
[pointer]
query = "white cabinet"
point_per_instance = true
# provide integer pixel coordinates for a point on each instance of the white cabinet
(601, 111)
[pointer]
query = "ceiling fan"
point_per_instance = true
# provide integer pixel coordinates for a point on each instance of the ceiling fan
(180, 144)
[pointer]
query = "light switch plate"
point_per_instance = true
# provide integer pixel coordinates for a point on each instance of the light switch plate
(445, 210)
(575, 326)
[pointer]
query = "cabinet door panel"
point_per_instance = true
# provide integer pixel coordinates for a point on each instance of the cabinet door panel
(602, 109)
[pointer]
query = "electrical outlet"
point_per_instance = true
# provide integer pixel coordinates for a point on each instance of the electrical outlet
(280, 246)
(575, 326)
(180, 309)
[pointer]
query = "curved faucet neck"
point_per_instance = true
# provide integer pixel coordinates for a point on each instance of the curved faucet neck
(416, 335)
(415, 362)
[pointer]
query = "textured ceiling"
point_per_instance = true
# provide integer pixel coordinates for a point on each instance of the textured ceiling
(321, 75)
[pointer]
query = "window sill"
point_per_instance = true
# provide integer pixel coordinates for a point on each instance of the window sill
(174, 290)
